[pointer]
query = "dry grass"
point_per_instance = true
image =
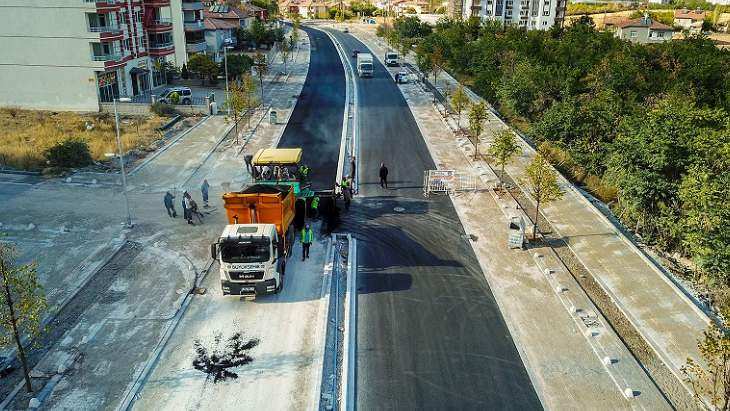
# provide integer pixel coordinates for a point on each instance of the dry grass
(25, 135)
(563, 161)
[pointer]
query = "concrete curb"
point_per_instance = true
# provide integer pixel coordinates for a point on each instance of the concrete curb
(349, 361)
(165, 147)
(321, 328)
(210, 153)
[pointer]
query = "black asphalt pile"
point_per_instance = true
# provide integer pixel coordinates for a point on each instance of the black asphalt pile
(217, 361)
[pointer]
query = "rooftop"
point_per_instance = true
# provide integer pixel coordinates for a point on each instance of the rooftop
(643, 22)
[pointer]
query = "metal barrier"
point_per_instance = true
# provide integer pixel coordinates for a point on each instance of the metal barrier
(447, 182)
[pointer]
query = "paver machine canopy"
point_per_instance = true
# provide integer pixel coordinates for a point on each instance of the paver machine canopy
(281, 166)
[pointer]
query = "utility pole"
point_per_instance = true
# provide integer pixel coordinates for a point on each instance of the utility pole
(121, 160)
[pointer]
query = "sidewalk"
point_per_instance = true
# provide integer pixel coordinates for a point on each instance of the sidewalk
(575, 378)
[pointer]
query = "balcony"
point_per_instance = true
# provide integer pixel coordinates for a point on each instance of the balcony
(157, 3)
(160, 24)
(161, 49)
(105, 29)
(192, 5)
(106, 57)
(104, 5)
(197, 47)
(194, 25)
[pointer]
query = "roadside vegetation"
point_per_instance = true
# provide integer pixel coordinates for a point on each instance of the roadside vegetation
(610, 7)
(30, 140)
(645, 128)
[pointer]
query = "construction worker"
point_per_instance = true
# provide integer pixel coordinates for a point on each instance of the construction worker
(307, 238)
(303, 172)
(315, 207)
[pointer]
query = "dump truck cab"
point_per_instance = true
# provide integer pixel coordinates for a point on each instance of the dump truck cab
(253, 247)
(281, 166)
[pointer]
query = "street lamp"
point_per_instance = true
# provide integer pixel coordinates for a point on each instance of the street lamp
(226, 46)
(121, 158)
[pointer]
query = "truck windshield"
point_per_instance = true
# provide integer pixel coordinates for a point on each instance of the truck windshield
(391, 56)
(245, 252)
(366, 67)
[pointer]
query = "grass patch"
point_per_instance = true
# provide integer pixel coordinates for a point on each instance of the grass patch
(26, 135)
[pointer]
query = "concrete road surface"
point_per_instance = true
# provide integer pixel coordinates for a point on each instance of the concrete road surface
(430, 334)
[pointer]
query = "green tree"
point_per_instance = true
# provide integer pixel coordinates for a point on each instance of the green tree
(203, 66)
(258, 32)
(459, 101)
(262, 68)
(437, 64)
(503, 149)
(542, 184)
(477, 117)
(705, 196)
(238, 64)
(22, 302)
(236, 101)
(285, 51)
(711, 381)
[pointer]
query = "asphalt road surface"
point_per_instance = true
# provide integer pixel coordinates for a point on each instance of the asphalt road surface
(316, 123)
(430, 334)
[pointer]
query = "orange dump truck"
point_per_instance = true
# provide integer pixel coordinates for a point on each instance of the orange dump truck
(254, 246)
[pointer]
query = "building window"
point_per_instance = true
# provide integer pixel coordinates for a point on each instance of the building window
(546, 12)
(632, 34)
(544, 23)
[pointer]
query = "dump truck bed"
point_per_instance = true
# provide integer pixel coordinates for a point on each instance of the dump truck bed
(261, 204)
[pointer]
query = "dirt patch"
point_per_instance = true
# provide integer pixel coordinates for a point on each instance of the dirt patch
(26, 134)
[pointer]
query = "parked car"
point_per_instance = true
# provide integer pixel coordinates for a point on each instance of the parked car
(184, 93)
(346, 30)
(355, 53)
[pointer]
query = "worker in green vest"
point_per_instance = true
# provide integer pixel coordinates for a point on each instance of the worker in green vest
(315, 207)
(304, 172)
(307, 238)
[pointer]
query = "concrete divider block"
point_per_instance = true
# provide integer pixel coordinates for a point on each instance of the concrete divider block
(607, 360)
(590, 333)
(629, 393)
(548, 271)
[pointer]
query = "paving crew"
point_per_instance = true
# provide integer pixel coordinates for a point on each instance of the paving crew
(204, 190)
(383, 176)
(315, 206)
(303, 172)
(169, 205)
(307, 238)
(248, 158)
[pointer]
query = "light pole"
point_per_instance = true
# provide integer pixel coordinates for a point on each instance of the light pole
(226, 46)
(121, 159)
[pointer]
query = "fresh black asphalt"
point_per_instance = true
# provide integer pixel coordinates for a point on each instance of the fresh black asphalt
(316, 122)
(430, 334)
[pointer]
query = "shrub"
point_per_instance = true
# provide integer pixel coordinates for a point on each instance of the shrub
(69, 153)
(162, 109)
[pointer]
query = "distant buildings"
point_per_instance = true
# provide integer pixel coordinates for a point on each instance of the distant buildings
(530, 14)
(73, 54)
(690, 20)
(643, 30)
(221, 22)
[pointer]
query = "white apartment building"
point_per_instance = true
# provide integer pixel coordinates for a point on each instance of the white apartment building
(73, 54)
(530, 14)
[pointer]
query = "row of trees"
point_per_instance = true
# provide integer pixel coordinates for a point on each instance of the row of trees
(644, 127)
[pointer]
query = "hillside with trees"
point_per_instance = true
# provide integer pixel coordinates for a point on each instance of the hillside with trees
(643, 127)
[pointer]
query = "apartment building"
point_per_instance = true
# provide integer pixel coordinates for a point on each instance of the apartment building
(74, 54)
(530, 14)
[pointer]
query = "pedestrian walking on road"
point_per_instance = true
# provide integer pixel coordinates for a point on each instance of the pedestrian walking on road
(383, 175)
(170, 205)
(186, 208)
(352, 167)
(248, 158)
(195, 212)
(204, 189)
(307, 238)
